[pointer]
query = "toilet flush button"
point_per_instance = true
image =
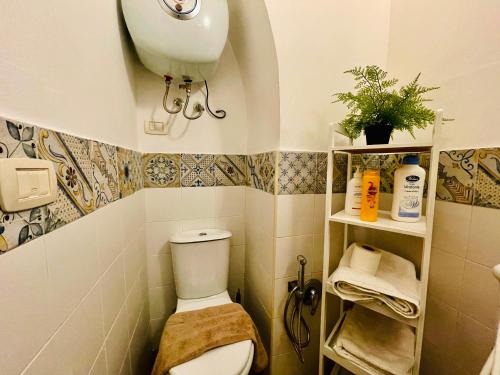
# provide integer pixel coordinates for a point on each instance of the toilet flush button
(26, 183)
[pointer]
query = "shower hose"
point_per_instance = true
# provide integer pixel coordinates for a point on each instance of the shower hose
(295, 324)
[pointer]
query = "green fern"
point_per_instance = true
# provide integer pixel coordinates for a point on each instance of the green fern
(376, 102)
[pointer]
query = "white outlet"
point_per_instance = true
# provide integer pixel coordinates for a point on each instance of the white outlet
(155, 127)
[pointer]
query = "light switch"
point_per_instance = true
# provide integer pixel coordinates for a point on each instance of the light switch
(26, 183)
(23, 184)
(155, 127)
(43, 182)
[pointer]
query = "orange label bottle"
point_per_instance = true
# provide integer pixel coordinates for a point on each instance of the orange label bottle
(370, 195)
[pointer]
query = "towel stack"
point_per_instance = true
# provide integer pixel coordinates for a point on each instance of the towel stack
(376, 343)
(394, 283)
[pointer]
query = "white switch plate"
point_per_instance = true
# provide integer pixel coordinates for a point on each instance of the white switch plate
(26, 183)
(155, 127)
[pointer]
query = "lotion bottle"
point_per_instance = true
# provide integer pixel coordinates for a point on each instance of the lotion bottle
(370, 195)
(409, 182)
(353, 194)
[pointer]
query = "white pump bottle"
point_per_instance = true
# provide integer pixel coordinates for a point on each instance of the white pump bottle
(353, 194)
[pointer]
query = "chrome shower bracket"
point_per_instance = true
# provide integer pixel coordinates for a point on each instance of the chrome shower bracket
(177, 101)
(197, 109)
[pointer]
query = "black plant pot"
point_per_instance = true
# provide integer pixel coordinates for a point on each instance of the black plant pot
(378, 134)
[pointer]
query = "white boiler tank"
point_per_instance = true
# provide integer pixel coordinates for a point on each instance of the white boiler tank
(180, 38)
(200, 260)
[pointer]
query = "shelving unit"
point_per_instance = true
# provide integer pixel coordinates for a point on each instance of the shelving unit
(421, 229)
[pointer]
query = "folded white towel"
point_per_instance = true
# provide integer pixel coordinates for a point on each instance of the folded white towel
(395, 283)
(376, 343)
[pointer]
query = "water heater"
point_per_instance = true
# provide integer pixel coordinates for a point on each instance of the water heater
(182, 39)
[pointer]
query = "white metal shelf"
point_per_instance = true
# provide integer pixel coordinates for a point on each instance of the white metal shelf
(384, 149)
(421, 229)
(384, 222)
(379, 308)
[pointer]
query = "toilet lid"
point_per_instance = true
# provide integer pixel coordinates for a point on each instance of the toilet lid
(233, 359)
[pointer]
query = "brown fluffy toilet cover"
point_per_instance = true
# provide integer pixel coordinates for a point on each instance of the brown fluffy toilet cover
(189, 334)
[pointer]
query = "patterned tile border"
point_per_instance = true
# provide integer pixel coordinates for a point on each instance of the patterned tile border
(464, 176)
(161, 170)
(261, 171)
(91, 174)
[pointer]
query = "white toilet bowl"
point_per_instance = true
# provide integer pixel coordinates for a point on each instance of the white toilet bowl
(234, 359)
(200, 261)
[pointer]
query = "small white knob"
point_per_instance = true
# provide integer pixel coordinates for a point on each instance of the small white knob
(496, 271)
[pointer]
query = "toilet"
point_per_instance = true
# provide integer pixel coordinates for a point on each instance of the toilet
(200, 260)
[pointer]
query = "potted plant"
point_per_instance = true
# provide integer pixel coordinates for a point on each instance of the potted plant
(378, 109)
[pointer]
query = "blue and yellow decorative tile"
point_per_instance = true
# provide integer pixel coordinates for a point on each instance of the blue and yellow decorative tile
(104, 173)
(17, 228)
(321, 172)
(339, 183)
(456, 176)
(129, 171)
(197, 170)
(161, 170)
(71, 158)
(137, 170)
(17, 140)
(487, 186)
(261, 171)
(297, 173)
(230, 170)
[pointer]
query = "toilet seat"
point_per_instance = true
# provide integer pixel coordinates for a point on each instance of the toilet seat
(233, 359)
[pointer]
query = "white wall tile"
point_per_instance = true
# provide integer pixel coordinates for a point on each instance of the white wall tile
(134, 258)
(484, 238)
(287, 250)
(236, 282)
(435, 361)
(99, 367)
(110, 236)
(197, 224)
(126, 367)
(160, 271)
(74, 347)
(135, 300)
(237, 260)
(234, 224)
(72, 263)
(445, 277)
(440, 323)
(259, 210)
(140, 351)
(295, 215)
(162, 301)
(26, 319)
(117, 342)
(112, 287)
(155, 331)
(132, 213)
(480, 291)
(229, 201)
(315, 263)
(260, 247)
(451, 227)
(319, 213)
(262, 284)
(163, 204)
(197, 203)
(472, 344)
(158, 235)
